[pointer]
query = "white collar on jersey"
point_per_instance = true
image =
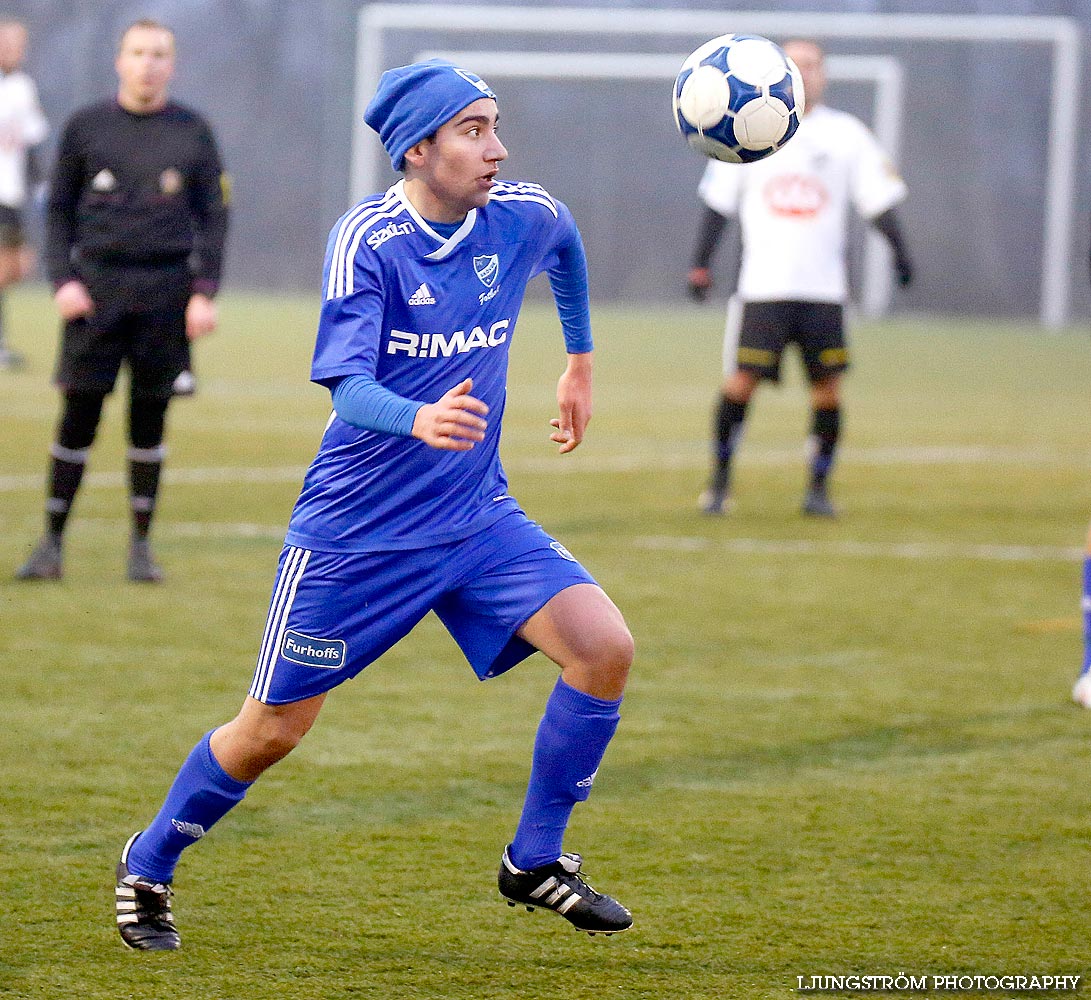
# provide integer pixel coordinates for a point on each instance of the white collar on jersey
(447, 245)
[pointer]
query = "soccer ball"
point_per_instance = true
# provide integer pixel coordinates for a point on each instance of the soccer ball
(738, 98)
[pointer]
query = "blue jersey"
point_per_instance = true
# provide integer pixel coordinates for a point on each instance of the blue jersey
(420, 313)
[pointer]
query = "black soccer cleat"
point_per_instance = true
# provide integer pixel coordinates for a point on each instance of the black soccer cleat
(144, 919)
(559, 886)
(45, 562)
(142, 567)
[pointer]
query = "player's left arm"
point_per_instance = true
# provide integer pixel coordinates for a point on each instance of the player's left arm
(889, 225)
(877, 188)
(210, 198)
(567, 273)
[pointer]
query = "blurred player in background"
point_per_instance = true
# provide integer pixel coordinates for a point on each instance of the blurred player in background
(406, 509)
(23, 129)
(135, 236)
(793, 212)
(1081, 692)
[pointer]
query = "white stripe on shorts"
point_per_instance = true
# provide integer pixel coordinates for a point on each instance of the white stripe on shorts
(732, 325)
(277, 622)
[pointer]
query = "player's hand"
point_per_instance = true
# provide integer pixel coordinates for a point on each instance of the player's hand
(73, 301)
(201, 317)
(455, 422)
(573, 402)
(903, 267)
(698, 283)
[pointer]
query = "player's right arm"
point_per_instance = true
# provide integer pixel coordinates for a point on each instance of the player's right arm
(720, 190)
(709, 231)
(71, 296)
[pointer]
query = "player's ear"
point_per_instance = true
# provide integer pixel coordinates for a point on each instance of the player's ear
(415, 154)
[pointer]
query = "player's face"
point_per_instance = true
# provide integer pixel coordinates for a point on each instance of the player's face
(13, 46)
(454, 170)
(810, 60)
(145, 65)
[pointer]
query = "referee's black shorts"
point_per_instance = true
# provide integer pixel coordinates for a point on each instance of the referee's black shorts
(139, 321)
(758, 333)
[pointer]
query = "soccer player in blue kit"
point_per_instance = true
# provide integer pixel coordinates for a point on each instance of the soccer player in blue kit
(406, 510)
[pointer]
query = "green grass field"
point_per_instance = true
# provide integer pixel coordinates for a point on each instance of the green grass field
(846, 748)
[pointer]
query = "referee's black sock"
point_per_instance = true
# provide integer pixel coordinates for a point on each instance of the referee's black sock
(825, 433)
(145, 466)
(730, 416)
(65, 475)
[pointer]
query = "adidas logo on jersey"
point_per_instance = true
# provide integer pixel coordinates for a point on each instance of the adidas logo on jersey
(422, 296)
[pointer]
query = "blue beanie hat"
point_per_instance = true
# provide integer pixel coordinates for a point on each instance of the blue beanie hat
(412, 102)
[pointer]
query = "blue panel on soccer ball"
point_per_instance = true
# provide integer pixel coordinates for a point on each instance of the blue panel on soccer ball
(753, 155)
(793, 124)
(783, 89)
(741, 93)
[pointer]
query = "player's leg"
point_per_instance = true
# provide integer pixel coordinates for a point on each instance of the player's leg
(517, 590)
(1081, 693)
(76, 429)
(329, 617)
(753, 343)
(212, 780)
(821, 339)
(822, 444)
(147, 420)
(583, 632)
(158, 352)
(12, 269)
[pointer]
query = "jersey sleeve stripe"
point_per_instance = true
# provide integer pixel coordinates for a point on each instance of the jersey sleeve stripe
(363, 215)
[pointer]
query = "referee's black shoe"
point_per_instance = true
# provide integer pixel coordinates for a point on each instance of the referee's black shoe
(144, 919)
(45, 562)
(559, 886)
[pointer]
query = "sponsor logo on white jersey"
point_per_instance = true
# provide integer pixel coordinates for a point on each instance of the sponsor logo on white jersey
(795, 195)
(104, 180)
(422, 296)
(377, 237)
(194, 830)
(438, 345)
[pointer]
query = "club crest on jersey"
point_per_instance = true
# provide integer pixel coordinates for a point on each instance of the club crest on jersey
(312, 652)
(170, 181)
(104, 180)
(487, 268)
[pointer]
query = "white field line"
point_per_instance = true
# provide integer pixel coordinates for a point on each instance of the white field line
(838, 548)
(590, 462)
(862, 550)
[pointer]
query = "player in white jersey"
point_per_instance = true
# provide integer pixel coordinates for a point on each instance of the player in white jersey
(793, 210)
(23, 127)
(405, 509)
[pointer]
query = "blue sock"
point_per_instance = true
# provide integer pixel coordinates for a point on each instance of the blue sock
(202, 793)
(1086, 614)
(572, 738)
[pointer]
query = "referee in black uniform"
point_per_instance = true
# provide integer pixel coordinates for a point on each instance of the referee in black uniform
(136, 228)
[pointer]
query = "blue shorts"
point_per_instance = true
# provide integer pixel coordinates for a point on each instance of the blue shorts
(332, 614)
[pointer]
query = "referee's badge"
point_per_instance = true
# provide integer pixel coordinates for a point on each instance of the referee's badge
(487, 268)
(170, 181)
(104, 180)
